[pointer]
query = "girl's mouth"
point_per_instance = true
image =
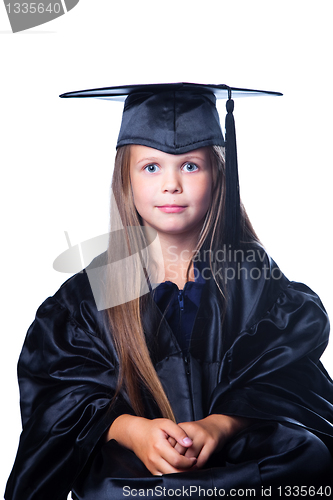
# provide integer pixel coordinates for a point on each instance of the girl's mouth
(171, 208)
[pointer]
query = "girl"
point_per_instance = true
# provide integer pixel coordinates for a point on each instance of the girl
(182, 362)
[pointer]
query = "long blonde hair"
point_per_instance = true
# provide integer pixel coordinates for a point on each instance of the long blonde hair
(136, 370)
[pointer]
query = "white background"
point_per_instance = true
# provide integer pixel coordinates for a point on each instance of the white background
(56, 155)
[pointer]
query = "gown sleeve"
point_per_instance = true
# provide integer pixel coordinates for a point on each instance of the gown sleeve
(271, 369)
(67, 381)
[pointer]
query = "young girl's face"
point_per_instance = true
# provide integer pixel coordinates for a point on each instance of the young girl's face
(172, 193)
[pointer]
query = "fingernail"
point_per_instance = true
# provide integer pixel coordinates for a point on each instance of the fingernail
(187, 441)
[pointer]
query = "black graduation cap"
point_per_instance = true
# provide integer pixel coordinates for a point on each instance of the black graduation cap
(180, 117)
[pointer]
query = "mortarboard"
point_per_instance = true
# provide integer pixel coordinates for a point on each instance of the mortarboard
(177, 118)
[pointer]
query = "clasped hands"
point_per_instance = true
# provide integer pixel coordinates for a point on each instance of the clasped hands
(166, 447)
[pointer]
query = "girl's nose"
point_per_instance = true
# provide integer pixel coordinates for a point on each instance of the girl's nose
(171, 182)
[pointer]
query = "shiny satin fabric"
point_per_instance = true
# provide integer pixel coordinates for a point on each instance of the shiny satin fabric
(268, 457)
(263, 363)
(174, 121)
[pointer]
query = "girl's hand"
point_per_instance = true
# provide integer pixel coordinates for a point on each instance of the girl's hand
(209, 435)
(149, 441)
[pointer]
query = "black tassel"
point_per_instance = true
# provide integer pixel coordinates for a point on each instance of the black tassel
(232, 200)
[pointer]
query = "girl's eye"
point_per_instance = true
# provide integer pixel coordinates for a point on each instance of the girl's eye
(152, 168)
(190, 167)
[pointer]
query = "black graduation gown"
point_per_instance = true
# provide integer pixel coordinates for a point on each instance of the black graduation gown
(263, 364)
